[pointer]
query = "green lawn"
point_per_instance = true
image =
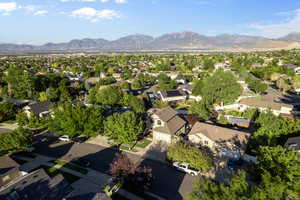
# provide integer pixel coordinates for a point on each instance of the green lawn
(143, 143)
(51, 171)
(70, 166)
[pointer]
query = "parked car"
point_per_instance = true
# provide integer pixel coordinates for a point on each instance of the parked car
(82, 162)
(80, 139)
(64, 138)
(183, 166)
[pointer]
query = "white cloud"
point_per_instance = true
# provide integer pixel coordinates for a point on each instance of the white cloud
(104, 1)
(121, 1)
(7, 7)
(94, 15)
(40, 12)
(275, 30)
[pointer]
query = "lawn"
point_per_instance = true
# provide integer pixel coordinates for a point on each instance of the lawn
(143, 143)
(51, 171)
(70, 166)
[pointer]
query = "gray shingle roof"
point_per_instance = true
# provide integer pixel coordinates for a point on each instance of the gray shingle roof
(7, 164)
(40, 107)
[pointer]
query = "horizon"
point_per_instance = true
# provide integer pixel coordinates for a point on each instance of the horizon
(36, 23)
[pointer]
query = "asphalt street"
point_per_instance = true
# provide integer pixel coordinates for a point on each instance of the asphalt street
(168, 182)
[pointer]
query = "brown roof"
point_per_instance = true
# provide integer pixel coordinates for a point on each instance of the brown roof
(173, 122)
(219, 134)
(166, 114)
(7, 164)
(253, 102)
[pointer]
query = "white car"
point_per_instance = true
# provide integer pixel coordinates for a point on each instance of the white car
(64, 138)
(183, 166)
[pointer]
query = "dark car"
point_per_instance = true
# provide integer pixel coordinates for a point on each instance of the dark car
(80, 139)
(82, 162)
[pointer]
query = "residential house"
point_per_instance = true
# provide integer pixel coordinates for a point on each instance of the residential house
(167, 125)
(293, 142)
(228, 142)
(36, 185)
(296, 68)
(172, 95)
(262, 105)
(9, 170)
(40, 109)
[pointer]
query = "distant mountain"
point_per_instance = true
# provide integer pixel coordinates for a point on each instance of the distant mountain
(295, 36)
(186, 40)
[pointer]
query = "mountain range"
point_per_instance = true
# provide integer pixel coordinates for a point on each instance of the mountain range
(186, 40)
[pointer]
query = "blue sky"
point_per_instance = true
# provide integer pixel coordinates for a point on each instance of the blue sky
(40, 21)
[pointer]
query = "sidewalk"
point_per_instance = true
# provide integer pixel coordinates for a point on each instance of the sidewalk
(93, 181)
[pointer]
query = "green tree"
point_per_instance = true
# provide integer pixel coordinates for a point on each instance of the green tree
(7, 110)
(124, 128)
(237, 189)
(221, 87)
(279, 161)
(201, 109)
(109, 96)
(192, 155)
(76, 120)
(17, 140)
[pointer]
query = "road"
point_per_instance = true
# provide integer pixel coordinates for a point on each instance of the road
(168, 182)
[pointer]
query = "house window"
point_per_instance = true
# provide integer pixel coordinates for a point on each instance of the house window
(206, 142)
(158, 122)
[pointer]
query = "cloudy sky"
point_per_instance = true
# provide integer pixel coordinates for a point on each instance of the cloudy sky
(40, 21)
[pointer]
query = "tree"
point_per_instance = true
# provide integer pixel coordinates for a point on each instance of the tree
(192, 155)
(124, 128)
(109, 96)
(17, 140)
(221, 87)
(7, 110)
(279, 161)
(283, 85)
(201, 109)
(135, 103)
(237, 189)
(76, 120)
(133, 177)
(257, 86)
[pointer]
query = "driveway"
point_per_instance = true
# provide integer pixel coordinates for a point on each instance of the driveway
(168, 182)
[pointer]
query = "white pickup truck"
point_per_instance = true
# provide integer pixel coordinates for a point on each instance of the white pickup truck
(183, 166)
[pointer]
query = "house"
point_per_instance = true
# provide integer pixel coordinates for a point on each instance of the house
(9, 170)
(40, 109)
(228, 142)
(167, 125)
(172, 95)
(262, 105)
(36, 185)
(296, 68)
(293, 142)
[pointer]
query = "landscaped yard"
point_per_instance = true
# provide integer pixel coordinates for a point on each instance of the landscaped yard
(143, 143)
(51, 171)
(71, 166)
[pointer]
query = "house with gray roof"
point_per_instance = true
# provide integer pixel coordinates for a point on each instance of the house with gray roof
(41, 108)
(172, 95)
(167, 125)
(229, 142)
(293, 142)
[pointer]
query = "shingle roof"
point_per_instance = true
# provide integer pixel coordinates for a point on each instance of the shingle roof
(37, 186)
(171, 93)
(7, 164)
(173, 122)
(253, 102)
(166, 114)
(40, 107)
(219, 134)
(238, 120)
(293, 142)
